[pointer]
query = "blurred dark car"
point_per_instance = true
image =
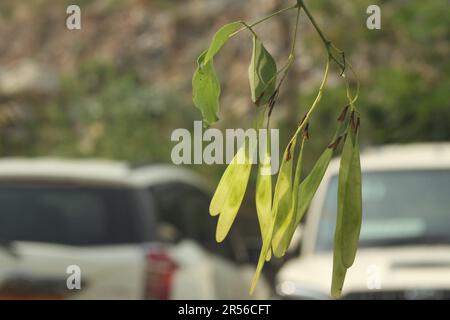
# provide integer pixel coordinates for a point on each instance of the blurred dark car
(132, 233)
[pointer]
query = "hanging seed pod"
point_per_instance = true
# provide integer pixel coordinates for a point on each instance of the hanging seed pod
(231, 190)
(349, 215)
(282, 199)
(288, 226)
(264, 193)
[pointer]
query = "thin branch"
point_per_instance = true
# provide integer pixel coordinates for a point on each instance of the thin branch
(262, 20)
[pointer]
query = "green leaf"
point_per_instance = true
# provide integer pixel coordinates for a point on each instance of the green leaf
(220, 38)
(205, 84)
(234, 186)
(262, 73)
(282, 212)
(206, 89)
(350, 201)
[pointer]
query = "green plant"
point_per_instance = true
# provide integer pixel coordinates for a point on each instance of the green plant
(280, 211)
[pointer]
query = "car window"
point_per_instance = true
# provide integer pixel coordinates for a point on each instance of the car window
(187, 209)
(399, 207)
(67, 214)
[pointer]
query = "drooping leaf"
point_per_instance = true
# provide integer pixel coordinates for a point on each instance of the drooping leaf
(350, 203)
(205, 84)
(262, 73)
(235, 186)
(220, 38)
(282, 200)
(206, 89)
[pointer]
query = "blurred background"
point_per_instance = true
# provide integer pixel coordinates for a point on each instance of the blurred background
(120, 85)
(117, 88)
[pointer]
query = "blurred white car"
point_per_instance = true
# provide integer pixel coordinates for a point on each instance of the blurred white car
(128, 233)
(404, 250)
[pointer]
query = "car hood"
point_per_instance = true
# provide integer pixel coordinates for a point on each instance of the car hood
(392, 268)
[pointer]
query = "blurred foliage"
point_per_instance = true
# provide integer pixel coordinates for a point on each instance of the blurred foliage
(126, 108)
(102, 111)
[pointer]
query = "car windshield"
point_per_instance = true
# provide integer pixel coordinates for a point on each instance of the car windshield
(66, 214)
(399, 208)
